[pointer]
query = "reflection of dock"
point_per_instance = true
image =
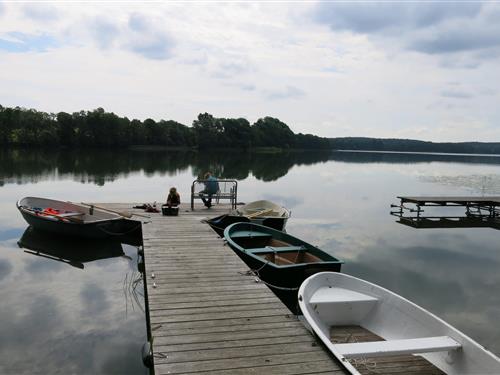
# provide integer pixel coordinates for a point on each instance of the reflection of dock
(479, 212)
(447, 222)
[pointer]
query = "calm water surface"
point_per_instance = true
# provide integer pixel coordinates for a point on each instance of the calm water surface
(57, 318)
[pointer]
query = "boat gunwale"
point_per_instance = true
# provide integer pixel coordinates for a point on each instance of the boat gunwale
(248, 252)
(24, 210)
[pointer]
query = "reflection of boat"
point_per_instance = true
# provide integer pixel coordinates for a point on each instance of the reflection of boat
(259, 212)
(365, 320)
(279, 259)
(72, 219)
(67, 249)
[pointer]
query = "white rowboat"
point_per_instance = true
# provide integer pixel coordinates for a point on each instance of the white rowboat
(331, 299)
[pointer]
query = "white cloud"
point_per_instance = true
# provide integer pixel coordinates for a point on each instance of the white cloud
(41, 12)
(332, 69)
(288, 92)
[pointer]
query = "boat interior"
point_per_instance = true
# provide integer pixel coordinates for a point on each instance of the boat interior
(283, 258)
(67, 210)
(387, 326)
(262, 209)
(393, 364)
(275, 251)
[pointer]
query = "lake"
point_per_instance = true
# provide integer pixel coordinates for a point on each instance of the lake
(56, 317)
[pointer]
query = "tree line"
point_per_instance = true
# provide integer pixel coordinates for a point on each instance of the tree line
(98, 128)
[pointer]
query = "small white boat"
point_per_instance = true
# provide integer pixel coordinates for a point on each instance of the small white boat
(261, 212)
(330, 300)
(265, 213)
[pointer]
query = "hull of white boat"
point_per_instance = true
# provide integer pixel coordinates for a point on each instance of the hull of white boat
(330, 299)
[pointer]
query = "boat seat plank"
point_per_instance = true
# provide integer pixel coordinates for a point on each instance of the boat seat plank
(334, 295)
(249, 234)
(280, 249)
(398, 347)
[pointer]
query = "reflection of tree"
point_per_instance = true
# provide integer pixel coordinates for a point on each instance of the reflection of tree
(101, 166)
(270, 167)
(409, 158)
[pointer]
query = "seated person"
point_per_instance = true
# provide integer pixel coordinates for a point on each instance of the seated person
(211, 188)
(173, 199)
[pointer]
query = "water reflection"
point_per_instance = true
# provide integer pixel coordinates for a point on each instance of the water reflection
(102, 166)
(57, 319)
(446, 222)
(411, 158)
(340, 201)
(68, 250)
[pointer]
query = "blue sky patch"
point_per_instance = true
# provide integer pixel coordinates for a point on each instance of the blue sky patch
(20, 42)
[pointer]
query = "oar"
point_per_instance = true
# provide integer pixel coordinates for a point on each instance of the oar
(258, 213)
(124, 214)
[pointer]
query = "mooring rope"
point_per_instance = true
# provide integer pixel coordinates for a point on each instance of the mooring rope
(252, 272)
(362, 361)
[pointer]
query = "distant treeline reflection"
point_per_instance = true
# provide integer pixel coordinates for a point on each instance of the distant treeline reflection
(410, 158)
(100, 166)
(23, 166)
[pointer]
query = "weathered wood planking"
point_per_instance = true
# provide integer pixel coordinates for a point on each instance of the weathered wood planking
(207, 315)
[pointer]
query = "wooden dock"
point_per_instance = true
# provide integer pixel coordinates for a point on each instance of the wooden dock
(207, 315)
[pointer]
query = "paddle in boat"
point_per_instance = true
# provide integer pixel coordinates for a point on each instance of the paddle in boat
(71, 219)
(344, 307)
(280, 260)
(259, 212)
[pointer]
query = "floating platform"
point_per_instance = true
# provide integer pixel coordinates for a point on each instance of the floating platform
(478, 211)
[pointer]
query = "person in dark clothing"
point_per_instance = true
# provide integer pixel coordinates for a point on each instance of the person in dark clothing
(173, 199)
(211, 188)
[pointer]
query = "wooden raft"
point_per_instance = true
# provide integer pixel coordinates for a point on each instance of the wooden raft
(208, 316)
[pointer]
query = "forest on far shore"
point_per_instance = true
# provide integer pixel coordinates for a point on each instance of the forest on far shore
(98, 128)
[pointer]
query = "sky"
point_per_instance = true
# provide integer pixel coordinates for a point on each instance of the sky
(425, 70)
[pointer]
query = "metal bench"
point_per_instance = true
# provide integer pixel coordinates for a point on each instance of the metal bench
(228, 189)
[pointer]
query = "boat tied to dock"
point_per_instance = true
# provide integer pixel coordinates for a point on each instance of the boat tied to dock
(261, 212)
(280, 260)
(392, 326)
(72, 219)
